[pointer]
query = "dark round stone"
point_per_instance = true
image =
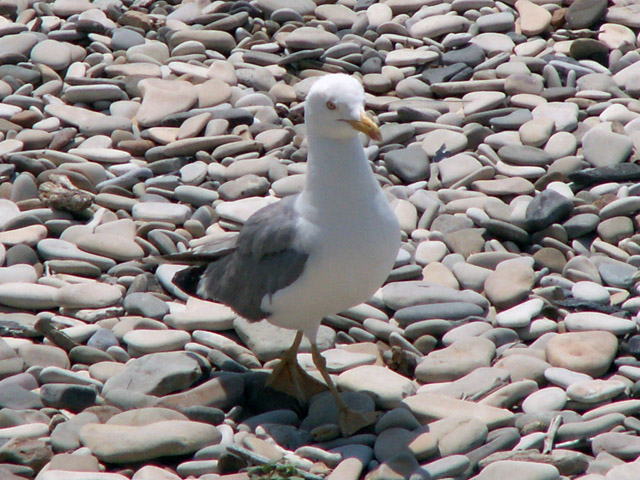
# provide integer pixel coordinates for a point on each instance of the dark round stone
(584, 13)
(21, 254)
(471, 56)
(85, 355)
(371, 65)
(199, 413)
(410, 164)
(547, 208)
(145, 304)
(589, 49)
(103, 339)
(442, 74)
(230, 463)
(69, 397)
(21, 221)
(634, 346)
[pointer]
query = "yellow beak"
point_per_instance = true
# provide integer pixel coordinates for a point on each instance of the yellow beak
(367, 126)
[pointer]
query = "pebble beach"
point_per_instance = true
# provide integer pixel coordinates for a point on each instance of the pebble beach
(503, 345)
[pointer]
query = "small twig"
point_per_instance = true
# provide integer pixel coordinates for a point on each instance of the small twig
(551, 434)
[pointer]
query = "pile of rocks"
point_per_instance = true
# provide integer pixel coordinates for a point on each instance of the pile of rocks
(505, 343)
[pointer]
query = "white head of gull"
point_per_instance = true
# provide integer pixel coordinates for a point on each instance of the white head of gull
(313, 254)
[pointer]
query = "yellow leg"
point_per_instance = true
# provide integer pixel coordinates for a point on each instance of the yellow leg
(290, 378)
(350, 420)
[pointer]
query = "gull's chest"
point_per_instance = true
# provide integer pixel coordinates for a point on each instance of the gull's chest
(355, 249)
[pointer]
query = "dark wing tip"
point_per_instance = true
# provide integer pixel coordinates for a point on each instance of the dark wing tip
(188, 279)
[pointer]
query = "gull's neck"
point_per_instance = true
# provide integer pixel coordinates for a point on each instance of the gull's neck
(338, 174)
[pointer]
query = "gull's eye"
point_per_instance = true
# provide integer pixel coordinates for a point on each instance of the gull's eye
(331, 105)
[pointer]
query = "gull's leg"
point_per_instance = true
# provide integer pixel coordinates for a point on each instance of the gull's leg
(350, 420)
(290, 378)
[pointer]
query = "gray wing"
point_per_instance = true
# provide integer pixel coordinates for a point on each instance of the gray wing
(265, 260)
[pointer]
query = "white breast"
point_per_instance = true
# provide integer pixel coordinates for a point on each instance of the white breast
(352, 254)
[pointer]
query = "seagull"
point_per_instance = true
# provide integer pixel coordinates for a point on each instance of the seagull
(316, 253)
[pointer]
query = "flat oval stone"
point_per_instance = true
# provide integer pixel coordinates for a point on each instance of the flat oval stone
(626, 407)
(584, 352)
(216, 40)
(561, 144)
(471, 55)
(102, 155)
(161, 98)
(430, 406)
(60, 375)
(340, 15)
(545, 400)
(595, 391)
(29, 296)
(534, 18)
(29, 430)
(43, 356)
(438, 25)
(564, 378)
(464, 437)
(617, 274)
(151, 341)
(56, 249)
(509, 283)
(397, 295)
(93, 93)
(88, 121)
(454, 142)
(67, 396)
(520, 315)
(588, 321)
(583, 13)
(564, 115)
(602, 148)
(386, 387)
(161, 212)
(590, 291)
(614, 35)
(201, 315)
(110, 245)
(620, 207)
(445, 310)
(581, 224)
(309, 38)
(146, 305)
(504, 186)
(157, 373)
(196, 196)
(589, 428)
(455, 361)
(407, 57)
(546, 208)
(449, 466)
(524, 155)
(52, 53)
(240, 210)
(30, 235)
(620, 445)
(88, 295)
(125, 443)
(519, 469)
(411, 164)
(536, 132)
(302, 7)
(522, 367)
